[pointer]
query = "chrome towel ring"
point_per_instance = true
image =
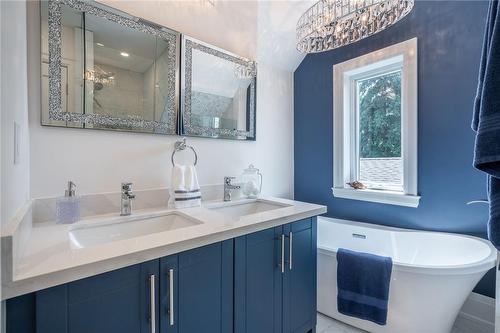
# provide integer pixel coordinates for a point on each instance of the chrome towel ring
(180, 146)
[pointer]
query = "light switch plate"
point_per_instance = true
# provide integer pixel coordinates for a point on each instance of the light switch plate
(17, 143)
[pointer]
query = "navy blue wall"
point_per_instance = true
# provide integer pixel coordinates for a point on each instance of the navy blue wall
(449, 46)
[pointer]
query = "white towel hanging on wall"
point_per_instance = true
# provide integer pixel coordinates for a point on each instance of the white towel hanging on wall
(185, 189)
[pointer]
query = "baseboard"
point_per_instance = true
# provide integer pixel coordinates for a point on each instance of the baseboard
(477, 314)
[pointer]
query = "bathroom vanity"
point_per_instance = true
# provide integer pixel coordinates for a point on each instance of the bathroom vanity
(243, 266)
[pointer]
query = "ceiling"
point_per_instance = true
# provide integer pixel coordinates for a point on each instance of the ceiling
(276, 32)
(257, 29)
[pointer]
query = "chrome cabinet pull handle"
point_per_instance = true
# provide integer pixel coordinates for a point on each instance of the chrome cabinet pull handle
(171, 298)
(282, 254)
(152, 303)
(290, 237)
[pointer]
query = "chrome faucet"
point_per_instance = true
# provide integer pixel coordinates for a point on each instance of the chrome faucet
(228, 187)
(127, 196)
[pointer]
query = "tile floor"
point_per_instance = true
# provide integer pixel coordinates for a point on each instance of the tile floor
(329, 325)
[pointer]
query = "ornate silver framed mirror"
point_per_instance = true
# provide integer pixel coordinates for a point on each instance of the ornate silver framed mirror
(218, 92)
(105, 69)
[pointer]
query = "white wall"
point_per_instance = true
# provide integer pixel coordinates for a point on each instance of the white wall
(275, 130)
(2, 304)
(15, 178)
(98, 161)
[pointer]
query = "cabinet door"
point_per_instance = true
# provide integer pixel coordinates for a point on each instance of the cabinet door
(299, 289)
(201, 290)
(258, 282)
(169, 301)
(20, 314)
(118, 301)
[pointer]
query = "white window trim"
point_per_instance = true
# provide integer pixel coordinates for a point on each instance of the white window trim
(404, 56)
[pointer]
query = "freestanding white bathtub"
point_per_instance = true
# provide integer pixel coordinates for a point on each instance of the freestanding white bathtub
(433, 273)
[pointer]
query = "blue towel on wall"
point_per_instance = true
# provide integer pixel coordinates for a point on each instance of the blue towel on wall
(363, 281)
(486, 118)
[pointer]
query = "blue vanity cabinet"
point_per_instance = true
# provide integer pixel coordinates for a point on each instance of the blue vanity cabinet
(275, 279)
(190, 292)
(299, 279)
(197, 290)
(20, 314)
(258, 282)
(169, 300)
(118, 301)
(264, 282)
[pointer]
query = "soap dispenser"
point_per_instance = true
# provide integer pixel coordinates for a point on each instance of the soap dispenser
(68, 207)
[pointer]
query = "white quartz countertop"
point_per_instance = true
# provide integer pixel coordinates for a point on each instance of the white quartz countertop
(47, 256)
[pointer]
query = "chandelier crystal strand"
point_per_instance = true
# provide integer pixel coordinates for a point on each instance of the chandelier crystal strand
(334, 23)
(248, 71)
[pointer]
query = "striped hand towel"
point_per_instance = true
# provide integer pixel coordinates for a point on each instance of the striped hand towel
(185, 190)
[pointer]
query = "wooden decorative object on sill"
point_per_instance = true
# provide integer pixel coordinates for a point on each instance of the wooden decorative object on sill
(357, 185)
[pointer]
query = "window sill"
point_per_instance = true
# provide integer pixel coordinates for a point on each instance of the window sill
(385, 197)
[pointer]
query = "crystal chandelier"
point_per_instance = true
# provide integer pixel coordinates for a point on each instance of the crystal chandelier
(99, 76)
(247, 71)
(334, 23)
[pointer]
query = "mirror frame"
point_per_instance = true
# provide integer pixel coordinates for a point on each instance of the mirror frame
(187, 128)
(126, 20)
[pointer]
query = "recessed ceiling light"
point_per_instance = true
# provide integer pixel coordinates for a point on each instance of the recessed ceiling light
(124, 54)
(99, 44)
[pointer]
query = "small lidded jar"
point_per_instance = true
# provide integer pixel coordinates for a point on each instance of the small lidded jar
(251, 181)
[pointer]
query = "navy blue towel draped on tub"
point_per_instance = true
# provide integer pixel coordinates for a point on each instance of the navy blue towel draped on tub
(486, 119)
(363, 282)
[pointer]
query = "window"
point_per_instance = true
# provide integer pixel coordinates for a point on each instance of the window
(375, 126)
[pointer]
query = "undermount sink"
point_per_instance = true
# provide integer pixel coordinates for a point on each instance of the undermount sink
(238, 209)
(115, 230)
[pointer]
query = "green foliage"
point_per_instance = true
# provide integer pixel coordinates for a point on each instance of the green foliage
(380, 116)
